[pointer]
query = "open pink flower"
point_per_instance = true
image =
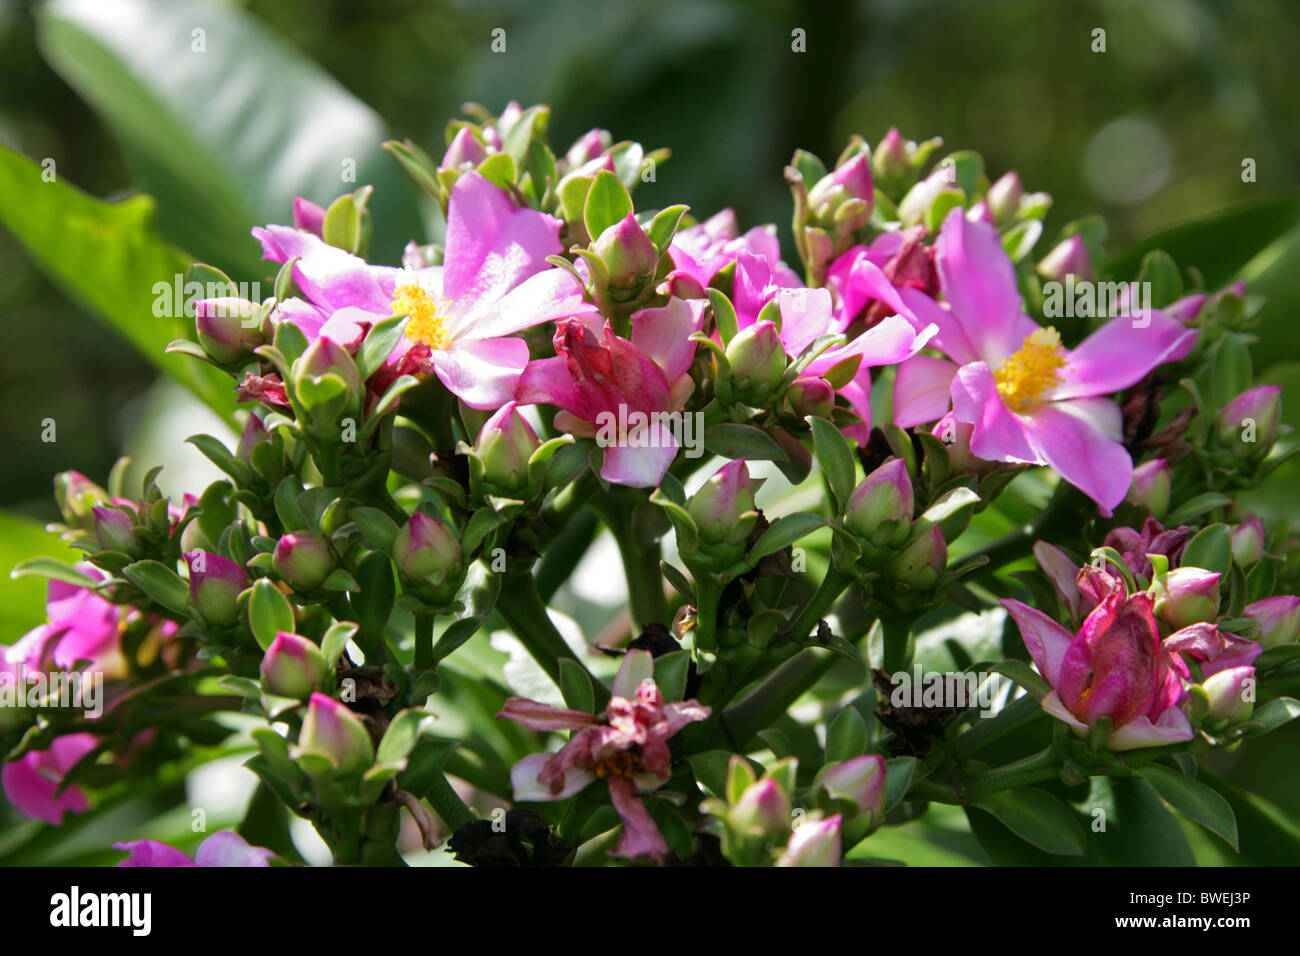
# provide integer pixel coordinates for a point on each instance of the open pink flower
(494, 281)
(224, 848)
(31, 783)
(624, 393)
(700, 251)
(1115, 667)
(1029, 398)
(628, 748)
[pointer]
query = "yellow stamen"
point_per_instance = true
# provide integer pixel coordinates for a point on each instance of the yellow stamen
(1025, 376)
(621, 763)
(426, 324)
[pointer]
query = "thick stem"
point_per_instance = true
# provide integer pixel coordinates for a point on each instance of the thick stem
(1041, 767)
(446, 802)
(769, 700)
(828, 592)
(424, 642)
(560, 559)
(523, 609)
(645, 585)
(707, 594)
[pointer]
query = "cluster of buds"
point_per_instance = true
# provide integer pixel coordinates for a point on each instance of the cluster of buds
(723, 515)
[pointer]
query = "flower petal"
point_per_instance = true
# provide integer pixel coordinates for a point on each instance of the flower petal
(228, 848)
(640, 836)
(637, 666)
(1121, 353)
(1072, 438)
(979, 283)
(922, 390)
(1171, 728)
(1046, 640)
(527, 788)
(998, 435)
(538, 716)
(483, 374)
(151, 853)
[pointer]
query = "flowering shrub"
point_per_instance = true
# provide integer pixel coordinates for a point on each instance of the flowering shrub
(799, 463)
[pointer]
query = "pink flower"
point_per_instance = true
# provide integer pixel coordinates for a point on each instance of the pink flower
(700, 251)
(602, 382)
(224, 848)
(628, 748)
(494, 282)
(31, 783)
(1114, 667)
(1029, 398)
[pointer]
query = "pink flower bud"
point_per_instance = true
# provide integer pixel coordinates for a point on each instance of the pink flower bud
(627, 252)
(1152, 486)
(1004, 195)
(1248, 423)
(308, 216)
(1191, 596)
(809, 396)
(229, 328)
(303, 560)
(757, 360)
(1071, 257)
(922, 562)
(814, 843)
(1247, 542)
(505, 444)
(465, 152)
(427, 553)
(332, 731)
(1278, 619)
(724, 509)
(880, 508)
(916, 204)
(115, 530)
(1230, 694)
(293, 667)
(889, 158)
(851, 181)
(77, 496)
(587, 147)
(763, 811)
(254, 434)
(861, 780)
(215, 584)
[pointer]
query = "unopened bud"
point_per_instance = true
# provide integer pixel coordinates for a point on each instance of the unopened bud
(303, 560)
(880, 508)
(293, 667)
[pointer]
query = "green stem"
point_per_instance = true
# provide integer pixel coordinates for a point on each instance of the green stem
(1011, 546)
(525, 612)
(645, 586)
(446, 802)
(707, 594)
(899, 645)
(769, 700)
(560, 559)
(1039, 768)
(1017, 714)
(828, 592)
(424, 642)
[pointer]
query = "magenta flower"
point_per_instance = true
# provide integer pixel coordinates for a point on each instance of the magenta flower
(1114, 667)
(1029, 398)
(31, 783)
(702, 250)
(624, 394)
(494, 282)
(628, 748)
(1154, 538)
(224, 848)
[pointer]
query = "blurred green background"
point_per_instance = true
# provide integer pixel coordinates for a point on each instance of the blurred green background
(1151, 133)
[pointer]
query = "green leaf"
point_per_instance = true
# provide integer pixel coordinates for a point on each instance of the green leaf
(401, 736)
(899, 772)
(377, 528)
(1024, 675)
(269, 612)
(836, 459)
(22, 593)
(607, 203)
(1275, 713)
(1197, 506)
(1211, 549)
(54, 570)
(1193, 800)
(336, 640)
(1231, 373)
(671, 670)
(379, 344)
(1038, 818)
(109, 258)
(160, 583)
(218, 164)
(664, 226)
(1160, 270)
(575, 687)
(742, 441)
(784, 532)
(846, 737)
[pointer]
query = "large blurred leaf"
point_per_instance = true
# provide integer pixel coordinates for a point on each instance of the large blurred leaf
(225, 136)
(22, 600)
(106, 256)
(1220, 245)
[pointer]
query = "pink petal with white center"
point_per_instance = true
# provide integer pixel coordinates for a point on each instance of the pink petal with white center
(637, 666)
(492, 245)
(922, 390)
(1120, 354)
(998, 435)
(483, 374)
(1172, 727)
(1069, 436)
(538, 716)
(979, 283)
(1046, 641)
(664, 334)
(640, 836)
(527, 788)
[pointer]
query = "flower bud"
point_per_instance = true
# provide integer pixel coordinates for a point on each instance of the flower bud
(77, 496)
(880, 508)
(332, 731)
(922, 562)
(627, 252)
(724, 509)
(809, 396)
(505, 444)
(229, 327)
(916, 204)
(115, 530)
(215, 584)
(465, 152)
(588, 146)
(254, 434)
(293, 667)
(757, 361)
(814, 843)
(1152, 486)
(763, 811)
(1191, 596)
(427, 553)
(861, 780)
(889, 159)
(1071, 257)
(1004, 195)
(308, 216)
(1248, 423)
(1230, 694)
(1247, 542)
(1278, 619)
(841, 201)
(327, 383)
(303, 560)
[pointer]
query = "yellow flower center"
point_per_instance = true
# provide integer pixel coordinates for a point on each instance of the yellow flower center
(426, 324)
(621, 763)
(1025, 376)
